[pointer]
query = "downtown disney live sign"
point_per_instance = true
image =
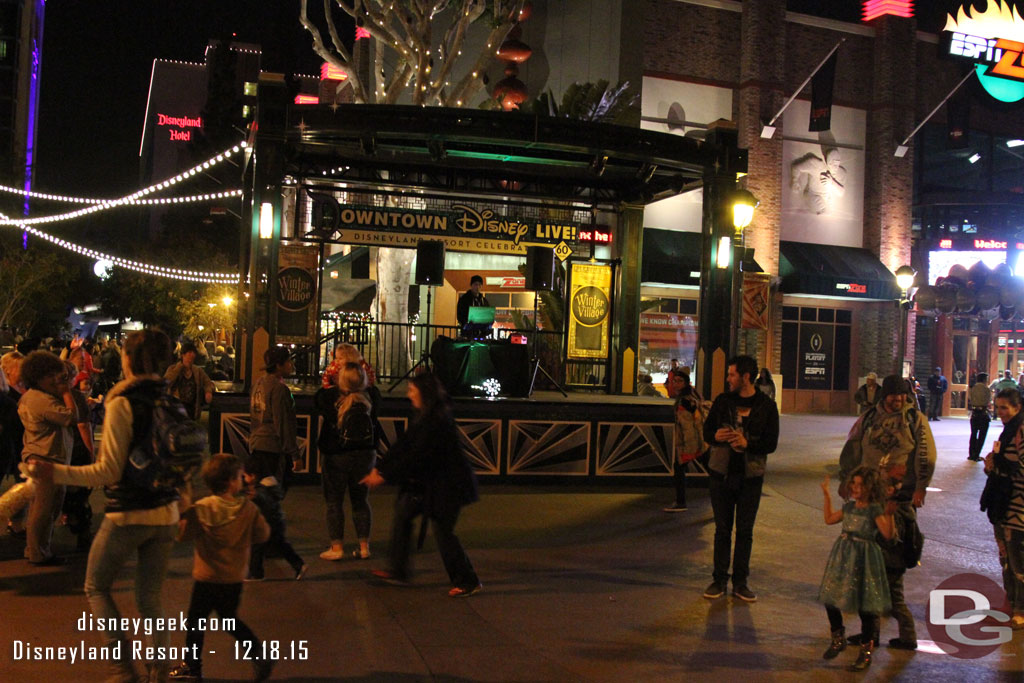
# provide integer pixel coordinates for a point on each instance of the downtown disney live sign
(461, 228)
(993, 41)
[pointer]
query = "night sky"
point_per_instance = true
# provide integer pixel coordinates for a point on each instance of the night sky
(97, 58)
(98, 55)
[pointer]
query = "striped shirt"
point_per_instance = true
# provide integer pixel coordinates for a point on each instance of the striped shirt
(1008, 459)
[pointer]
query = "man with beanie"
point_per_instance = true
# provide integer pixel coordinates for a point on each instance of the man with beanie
(894, 437)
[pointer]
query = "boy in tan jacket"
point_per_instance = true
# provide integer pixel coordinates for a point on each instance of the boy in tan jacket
(224, 527)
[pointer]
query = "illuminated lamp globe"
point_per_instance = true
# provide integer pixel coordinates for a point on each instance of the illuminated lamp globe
(743, 204)
(905, 277)
(102, 268)
(227, 301)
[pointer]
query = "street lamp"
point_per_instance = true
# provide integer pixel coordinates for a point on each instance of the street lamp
(227, 300)
(743, 204)
(904, 280)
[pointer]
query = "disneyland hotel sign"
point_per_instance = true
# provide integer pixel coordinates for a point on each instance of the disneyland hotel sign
(179, 127)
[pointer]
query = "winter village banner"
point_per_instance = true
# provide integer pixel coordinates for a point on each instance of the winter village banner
(296, 293)
(589, 310)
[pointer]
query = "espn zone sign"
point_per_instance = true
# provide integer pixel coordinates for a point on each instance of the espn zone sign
(993, 41)
(1001, 55)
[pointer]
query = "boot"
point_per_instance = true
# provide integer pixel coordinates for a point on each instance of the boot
(864, 657)
(838, 644)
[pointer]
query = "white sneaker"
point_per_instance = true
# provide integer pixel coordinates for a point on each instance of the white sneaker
(332, 554)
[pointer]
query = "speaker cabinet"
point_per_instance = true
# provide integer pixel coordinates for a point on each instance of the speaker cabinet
(430, 263)
(540, 269)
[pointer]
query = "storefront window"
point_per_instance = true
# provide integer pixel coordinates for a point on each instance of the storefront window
(668, 330)
(816, 348)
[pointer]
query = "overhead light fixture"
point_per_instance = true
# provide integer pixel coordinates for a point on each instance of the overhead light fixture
(1014, 143)
(767, 132)
(974, 158)
(901, 151)
(646, 172)
(599, 164)
(437, 150)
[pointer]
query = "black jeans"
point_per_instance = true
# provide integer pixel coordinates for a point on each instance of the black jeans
(734, 500)
(342, 473)
(869, 623)
(222, 598)
(979, 430)
(277, 542)
(679, 479)
(934, 405)
(275, 465)
(407, 508)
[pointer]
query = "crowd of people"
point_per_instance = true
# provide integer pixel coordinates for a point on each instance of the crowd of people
(48, 405)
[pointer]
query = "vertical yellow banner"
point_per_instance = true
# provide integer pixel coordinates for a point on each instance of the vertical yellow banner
(589, 310)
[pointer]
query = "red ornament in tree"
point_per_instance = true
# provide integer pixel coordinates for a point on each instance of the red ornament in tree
(510, 91)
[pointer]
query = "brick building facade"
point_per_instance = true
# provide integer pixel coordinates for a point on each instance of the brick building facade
(886, 72)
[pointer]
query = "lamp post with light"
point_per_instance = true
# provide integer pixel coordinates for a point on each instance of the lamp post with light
(727, 211)
(904, 280)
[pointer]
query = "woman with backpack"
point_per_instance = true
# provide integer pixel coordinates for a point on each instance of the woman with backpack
(1002, 500)
(689, 428)
(141, 519)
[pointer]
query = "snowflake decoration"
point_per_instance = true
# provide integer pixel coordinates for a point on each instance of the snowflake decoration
(492, 387)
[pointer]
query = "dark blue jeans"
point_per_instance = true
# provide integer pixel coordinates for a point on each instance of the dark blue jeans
(734, 501)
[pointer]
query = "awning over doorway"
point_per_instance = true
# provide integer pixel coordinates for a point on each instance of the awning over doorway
(672, 257)
(829, 270)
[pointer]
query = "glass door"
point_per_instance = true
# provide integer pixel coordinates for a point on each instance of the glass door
(965, 366)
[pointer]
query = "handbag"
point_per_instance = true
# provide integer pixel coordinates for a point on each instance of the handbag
(995, 498)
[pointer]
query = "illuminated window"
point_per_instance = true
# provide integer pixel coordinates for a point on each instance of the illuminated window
(249, 88)
(3, 50)
(245, 111)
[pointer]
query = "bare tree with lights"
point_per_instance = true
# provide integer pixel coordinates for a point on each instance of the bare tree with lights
(409, 65)
(404, 40)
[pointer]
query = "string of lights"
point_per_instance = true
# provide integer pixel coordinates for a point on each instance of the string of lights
(134, 198)
(85, 200)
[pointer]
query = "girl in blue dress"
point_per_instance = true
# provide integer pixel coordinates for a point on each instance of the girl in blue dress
(855, 578)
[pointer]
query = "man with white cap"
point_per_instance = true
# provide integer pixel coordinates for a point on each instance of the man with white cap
(867, 396)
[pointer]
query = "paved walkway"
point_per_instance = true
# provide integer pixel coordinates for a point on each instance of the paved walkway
(580, 585)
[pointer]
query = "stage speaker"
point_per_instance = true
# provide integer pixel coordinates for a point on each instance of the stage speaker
(430, 263)
(540, 269)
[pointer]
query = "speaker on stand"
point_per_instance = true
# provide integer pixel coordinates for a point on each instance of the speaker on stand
(540, 277)
(429, 272)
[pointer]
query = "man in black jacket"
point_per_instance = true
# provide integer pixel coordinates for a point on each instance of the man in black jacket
(742, 428)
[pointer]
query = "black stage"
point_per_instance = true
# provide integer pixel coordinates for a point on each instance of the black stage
(585, 437)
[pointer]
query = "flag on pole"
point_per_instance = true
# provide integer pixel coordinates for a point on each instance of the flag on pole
(821, 96)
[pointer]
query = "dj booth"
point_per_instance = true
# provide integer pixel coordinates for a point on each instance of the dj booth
(464, 364)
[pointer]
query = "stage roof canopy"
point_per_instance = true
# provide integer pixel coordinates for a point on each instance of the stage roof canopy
(509, 155)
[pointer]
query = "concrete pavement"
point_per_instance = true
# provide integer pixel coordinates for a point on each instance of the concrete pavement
(580, 585)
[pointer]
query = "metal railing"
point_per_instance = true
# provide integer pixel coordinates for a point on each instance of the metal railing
(392, 349)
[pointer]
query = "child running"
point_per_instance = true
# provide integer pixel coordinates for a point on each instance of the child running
(224, 526)
(854, 579)
(266, 493)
